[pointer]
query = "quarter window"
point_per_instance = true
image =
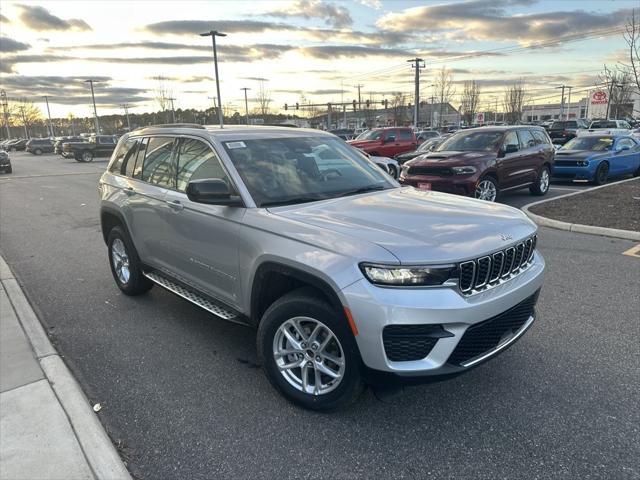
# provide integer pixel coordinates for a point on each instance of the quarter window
(157, 168)
(626, 142)
(197, 161)
(124, 152)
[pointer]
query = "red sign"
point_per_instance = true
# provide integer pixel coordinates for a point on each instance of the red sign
(480, 118)
(599, 98)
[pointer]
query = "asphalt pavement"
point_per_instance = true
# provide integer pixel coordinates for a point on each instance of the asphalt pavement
(182, 396)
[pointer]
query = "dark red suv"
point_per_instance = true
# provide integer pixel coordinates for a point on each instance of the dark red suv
(386, 142)
(482, 162)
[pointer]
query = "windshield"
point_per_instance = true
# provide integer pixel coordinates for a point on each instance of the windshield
(370, 135)
(279, 171)
(427, 145)
(471, 141)
(597, 144)
(603, 124)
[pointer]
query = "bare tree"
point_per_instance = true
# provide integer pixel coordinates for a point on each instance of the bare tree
(444, 90)
(263, 99)
(27, 114)
(513, 103)
(619, 86)
(162, 94)
(470, 101)
(398, 109)
(632, 37)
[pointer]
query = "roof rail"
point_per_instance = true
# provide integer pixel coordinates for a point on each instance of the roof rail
(175, 125)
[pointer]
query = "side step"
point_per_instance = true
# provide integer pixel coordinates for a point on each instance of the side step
(207, 304)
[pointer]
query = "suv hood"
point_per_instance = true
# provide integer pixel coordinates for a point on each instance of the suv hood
(452, 158)
(363, 143)
(417, 226)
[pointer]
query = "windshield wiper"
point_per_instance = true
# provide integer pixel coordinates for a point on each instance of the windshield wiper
(290, 201)
(368, 188)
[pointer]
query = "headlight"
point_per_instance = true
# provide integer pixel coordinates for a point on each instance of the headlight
(413, 276)
(464, 170)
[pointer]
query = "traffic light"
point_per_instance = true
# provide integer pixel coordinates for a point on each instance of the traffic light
(297, 106)
(286, 107)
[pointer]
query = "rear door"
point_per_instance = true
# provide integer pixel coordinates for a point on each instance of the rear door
(407, 141)
(203, 247)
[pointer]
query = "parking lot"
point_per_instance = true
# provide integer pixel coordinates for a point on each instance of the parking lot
(182, 395)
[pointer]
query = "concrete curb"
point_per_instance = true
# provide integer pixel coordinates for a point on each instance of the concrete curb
(93, 439)
(577, 227)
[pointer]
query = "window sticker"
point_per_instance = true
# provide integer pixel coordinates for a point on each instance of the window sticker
(232, 145)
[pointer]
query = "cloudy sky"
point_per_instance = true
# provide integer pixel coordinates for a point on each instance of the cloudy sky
(319, 49)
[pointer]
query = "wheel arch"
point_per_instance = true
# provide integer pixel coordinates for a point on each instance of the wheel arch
(109, 218)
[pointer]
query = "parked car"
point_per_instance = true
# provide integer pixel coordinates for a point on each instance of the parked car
(426, 135)
(609, 124)
(17, 145)
(386, 142)
(4, 143)
(95, 146)
(343, 133)
(38, 146)
(596, 157)
(563, 131)
(425, 147)
(58, 145)
(388, 165)
(5, 162)
(344, 274)
(483, 162)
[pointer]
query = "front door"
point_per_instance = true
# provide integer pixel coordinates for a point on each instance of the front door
(389, 143)
(533, 156)
(510, 170)
(204, 238)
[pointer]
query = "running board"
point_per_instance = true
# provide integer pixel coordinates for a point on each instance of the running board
(207, 304)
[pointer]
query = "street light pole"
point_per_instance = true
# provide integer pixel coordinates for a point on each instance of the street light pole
(5, 105)
(51, 132)
(95, 111)
(246, 104)
(213, 34)
(173, 111)
(417, 63)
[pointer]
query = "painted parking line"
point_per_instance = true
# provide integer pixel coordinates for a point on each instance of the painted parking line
(566, 188)
(633, 251)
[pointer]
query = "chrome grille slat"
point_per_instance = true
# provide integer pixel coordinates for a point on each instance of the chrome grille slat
(490, 270)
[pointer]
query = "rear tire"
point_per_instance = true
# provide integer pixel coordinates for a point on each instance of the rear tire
(541, 187)
(125, 264)
(602, 174)
(87, 156)
(393, 171)
(325, 371)
(9, 170)
(37, 151)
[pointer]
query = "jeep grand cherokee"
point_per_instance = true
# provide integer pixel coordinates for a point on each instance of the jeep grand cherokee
(348, 277)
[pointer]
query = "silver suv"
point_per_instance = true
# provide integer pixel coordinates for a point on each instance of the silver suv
(348, 277)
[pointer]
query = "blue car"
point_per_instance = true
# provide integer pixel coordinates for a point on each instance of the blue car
(596, 157)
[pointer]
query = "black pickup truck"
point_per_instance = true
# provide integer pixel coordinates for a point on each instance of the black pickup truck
(97, 146)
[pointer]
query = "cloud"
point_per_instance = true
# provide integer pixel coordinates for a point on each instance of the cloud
(39, 18)
(10, 45)
(492, 20)
(375, 4)
(72, 90)
(4, 19)
(327, 52)
(332, 14)
(327, 91)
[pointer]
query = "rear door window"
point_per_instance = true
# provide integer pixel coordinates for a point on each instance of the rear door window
(197, 161)
(158, 167)
(526, 139)
(405, 135)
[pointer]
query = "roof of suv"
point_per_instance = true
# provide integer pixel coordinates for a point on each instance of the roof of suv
(232, 132)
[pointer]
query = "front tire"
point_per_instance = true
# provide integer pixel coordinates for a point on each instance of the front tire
(308, 352)
(602, 174)
(541, 187)
(125, 264)
(487, 189)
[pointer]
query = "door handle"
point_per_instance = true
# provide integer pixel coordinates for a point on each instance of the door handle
(129, 191)
(176, 205)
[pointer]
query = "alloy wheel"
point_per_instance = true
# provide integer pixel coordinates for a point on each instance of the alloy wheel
(544, 180)
(309, 355)
(120, 260)
(87, 157)
(486, 190)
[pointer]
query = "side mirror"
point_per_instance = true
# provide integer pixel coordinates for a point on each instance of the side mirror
(512, 148)
(212, 191)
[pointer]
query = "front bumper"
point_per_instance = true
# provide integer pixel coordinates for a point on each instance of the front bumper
(457, 184)
(573, 173)
(374, 308)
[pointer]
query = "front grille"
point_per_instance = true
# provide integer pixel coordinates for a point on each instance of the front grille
(486, 336)
(435, 171)
(568, 163)
(403, 343)
(481, 273)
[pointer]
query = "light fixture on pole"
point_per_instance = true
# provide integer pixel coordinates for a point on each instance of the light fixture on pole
(95, 111)
(213, 34)
(246, 104)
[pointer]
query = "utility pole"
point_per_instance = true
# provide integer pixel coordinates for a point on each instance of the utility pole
(246, 104)
(562, 100)
(51, 132)
(215, 105)
(359, 105)
(433, 99)
(213, 34)
(173, 112)
(95, 111)
(569, 104)
(344, 108)
(125, 106)
(5, 106)
(416, 63)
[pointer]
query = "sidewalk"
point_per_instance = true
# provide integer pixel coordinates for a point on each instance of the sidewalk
(48, 430)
